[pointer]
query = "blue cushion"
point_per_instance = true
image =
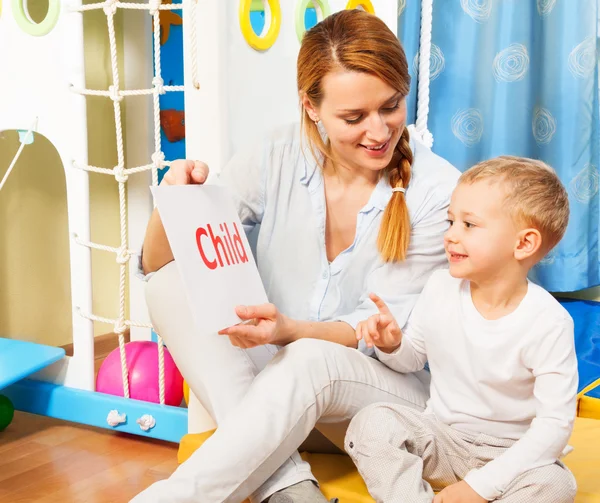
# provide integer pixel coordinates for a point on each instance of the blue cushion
(586, 315)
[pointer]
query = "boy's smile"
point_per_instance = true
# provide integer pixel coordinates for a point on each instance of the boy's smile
(455, 257)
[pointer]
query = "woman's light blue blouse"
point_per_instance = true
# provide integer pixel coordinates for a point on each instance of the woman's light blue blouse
(278, 186)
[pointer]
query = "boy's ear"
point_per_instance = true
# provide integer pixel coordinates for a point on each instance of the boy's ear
(528, 244)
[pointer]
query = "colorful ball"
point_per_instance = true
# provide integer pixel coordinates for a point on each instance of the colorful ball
(142, 364)
(7, 412)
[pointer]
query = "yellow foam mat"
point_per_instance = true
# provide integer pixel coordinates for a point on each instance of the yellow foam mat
(584, 461)
(339, 479)
(189, 443)
(589, 407)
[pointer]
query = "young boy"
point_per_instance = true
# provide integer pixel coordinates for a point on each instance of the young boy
(500, 350)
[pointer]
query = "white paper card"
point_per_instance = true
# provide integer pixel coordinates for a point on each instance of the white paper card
(211, 251)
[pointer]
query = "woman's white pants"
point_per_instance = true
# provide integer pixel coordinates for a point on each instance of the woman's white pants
(265, 402)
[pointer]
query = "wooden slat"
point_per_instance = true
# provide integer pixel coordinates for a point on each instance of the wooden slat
(44, 460)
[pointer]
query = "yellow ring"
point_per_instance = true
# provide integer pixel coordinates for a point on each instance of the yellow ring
(365, 4)
(260, 43)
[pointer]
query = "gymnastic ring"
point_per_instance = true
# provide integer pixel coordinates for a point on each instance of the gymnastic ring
(31, 27)
(322, 8)
(272, 20)
(365, 4)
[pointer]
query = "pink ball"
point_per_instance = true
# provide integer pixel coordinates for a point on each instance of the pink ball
(142, 364)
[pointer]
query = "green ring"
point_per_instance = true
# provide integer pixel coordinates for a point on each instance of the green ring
(36, 29)
(321, 6)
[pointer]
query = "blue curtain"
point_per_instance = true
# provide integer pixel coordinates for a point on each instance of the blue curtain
(520, 77)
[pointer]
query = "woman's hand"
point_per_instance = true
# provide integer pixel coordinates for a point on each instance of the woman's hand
(461, 492)
(157, 250)
(184, 172)
(381, 329)
(263, 324)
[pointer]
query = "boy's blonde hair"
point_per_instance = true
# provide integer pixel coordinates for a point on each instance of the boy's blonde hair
(534, 194)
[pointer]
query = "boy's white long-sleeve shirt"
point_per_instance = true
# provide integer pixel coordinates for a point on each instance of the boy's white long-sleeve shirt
(515, 377)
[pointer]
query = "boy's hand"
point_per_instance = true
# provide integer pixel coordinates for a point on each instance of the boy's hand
(381, 329)
(461, 492)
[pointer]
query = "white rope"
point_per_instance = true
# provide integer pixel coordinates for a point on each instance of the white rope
(194, 43)
(424, 69)
(157, 159)
(95, 169)
(119, 172)
(110, 9)
(146, 422)
(114, 419)
(19, 151)
(128, 92)
(161, 370)
(129, 171)
(111, 321)
(122, 256)
(157, 82)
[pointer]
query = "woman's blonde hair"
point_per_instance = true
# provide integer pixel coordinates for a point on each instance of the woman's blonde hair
(355, 41)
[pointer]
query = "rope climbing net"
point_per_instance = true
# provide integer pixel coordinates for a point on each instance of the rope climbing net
(120, 172)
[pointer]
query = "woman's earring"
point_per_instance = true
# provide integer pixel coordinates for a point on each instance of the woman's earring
(321, 129)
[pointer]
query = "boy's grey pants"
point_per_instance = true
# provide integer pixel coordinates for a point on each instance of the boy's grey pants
(402, 454)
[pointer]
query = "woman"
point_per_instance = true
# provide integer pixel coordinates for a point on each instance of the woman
(347, 204)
